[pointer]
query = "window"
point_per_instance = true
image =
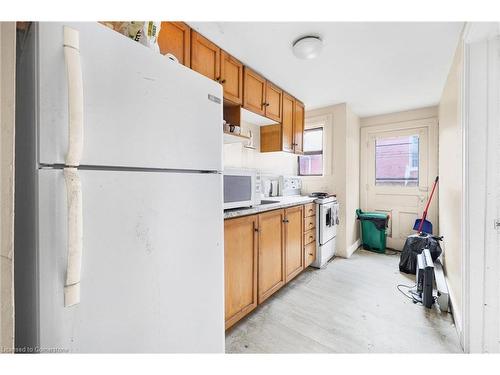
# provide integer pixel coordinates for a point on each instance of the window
(396, 161)
(311, 163)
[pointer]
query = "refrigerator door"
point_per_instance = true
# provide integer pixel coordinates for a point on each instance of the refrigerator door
(152, 263)
(140, 109)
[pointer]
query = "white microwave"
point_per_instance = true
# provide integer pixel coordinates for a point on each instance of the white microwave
(241, 188)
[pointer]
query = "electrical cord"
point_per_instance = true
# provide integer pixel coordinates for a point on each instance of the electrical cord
(411, 296)
(414, 300)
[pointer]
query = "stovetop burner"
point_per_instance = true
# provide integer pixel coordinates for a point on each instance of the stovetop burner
(320, 195)
(323, 198)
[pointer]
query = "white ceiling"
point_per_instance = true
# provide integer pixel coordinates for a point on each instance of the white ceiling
(376, 67)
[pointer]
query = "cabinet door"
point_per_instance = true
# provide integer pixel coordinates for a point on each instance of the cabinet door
(298, 128)
(273, 102)
(231, 78)
(271, 253)
(240, 267)
(293, 242)
(175, 38)
(205, 56)
(287, 122)
(254, 94)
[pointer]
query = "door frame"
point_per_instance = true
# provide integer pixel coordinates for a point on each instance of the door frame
(480, 201)
(431, 123)
(7, 171)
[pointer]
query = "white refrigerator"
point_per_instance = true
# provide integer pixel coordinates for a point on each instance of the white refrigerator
(119, 225)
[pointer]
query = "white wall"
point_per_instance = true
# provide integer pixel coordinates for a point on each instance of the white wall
(237, 156)
(7, 116)
(450, 183)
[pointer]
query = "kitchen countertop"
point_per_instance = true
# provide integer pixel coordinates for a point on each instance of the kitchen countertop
(281, 202)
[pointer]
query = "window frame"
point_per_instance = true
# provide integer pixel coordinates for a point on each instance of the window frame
(319, 152)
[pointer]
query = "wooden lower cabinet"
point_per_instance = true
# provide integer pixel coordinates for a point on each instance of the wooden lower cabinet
(294, 256)
(271, 253)
(240, 267)
(263, 252)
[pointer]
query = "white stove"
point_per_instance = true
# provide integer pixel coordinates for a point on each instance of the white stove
(327, 220)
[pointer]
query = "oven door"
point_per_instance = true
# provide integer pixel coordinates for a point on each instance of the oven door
(328, 214)
(239, 188)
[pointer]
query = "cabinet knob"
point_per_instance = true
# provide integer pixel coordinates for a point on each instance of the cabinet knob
(311, 254)
(218, 79)
(222, 81)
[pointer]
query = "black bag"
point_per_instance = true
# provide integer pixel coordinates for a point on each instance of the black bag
(414, 245)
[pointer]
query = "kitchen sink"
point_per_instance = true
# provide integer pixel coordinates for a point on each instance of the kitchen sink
(268, 201)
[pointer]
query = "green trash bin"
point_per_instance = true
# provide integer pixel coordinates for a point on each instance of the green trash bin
(373, 230)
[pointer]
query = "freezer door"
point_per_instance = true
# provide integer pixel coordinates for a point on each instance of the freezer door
(152, 263)
(140, 109)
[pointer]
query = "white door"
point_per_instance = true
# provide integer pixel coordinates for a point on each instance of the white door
(140, 109)
(398, 167)
(152, 264)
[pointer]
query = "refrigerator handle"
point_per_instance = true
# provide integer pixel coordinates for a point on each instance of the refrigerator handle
(75, 96)
(75, 237)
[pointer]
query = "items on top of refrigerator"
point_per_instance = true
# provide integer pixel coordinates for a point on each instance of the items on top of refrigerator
(144, 32)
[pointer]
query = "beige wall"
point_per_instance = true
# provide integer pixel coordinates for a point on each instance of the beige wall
(7, 115)
(341, 165)
(341, 148)
(352, 180)
(450, 182)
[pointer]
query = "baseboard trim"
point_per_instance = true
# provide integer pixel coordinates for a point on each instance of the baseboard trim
(457, 316)
(353, 248)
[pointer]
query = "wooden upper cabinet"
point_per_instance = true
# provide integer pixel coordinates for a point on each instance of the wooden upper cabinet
(205, 56)
(294, 248)
(273, 103)
(240, 267)
(287, 136)
(298, 130)
(175, 38)
(231, 72)
(271, 274)
(254, 92)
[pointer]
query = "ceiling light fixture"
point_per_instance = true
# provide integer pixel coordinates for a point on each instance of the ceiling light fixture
(307, 47)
